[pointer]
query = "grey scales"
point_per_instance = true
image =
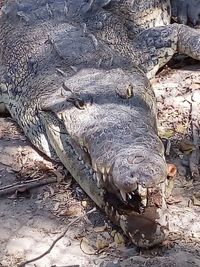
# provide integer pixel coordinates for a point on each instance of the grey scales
(75, 75)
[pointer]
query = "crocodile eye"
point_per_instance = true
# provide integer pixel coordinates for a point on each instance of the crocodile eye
(129, 90)
(79, 103)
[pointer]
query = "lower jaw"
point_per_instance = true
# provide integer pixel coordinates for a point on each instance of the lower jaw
(145, 229)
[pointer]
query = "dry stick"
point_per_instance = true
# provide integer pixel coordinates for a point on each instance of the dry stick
(26, 184)
(57, 239)
(194, 158)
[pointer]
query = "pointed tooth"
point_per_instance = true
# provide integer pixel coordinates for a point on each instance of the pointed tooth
(129, 196)
(85, 149)
(117, 215)
(87, 167)
(107, 210)
(103, 170)
(107, 170)
(102, 193)
(98, 178)
(142, 191)
(91, 171)
(123, 217)
(123, 195)
(139, 188)
(144, 202)
(104, 178)
(143, 236)
(94, 166)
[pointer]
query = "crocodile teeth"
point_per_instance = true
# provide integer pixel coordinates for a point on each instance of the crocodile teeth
(123, 195)
(142, 191)
(112, 209)
(103, 170)
(80, 158)
(104, 178)
(117, 215)
(91, 171)
(129, 196)
(94, 166)
(98, 178)
(123, 217)
(144, 202)
(107, 169)
(85, 149)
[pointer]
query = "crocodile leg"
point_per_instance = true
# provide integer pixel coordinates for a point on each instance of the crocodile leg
(154, 47)
(186, 11)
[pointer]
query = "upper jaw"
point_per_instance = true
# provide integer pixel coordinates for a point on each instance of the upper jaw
(136, 191)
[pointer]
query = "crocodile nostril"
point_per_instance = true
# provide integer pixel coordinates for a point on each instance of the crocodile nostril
(135, 159)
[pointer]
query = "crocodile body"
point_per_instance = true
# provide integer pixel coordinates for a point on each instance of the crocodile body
(77, 83)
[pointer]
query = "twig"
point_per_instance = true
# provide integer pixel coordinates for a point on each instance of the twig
(26, 184)
(194, 158)
(168, 147)
(57, 239)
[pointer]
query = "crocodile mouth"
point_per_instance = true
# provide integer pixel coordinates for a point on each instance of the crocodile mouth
(141, 213)
(138, 199)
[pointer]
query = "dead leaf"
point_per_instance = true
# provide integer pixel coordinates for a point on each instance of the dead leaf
(174, 200)
(59, 175)
(186, 146)
(84, 203)
(167, 134)
(119, 240)
(169, 188)
(34, 174)
(86, 247)
(72, 211)
(103, 240)
(180, 128)
(100, 229)
(195, 86)
(113, 233)
(196, 201)
(172, 170)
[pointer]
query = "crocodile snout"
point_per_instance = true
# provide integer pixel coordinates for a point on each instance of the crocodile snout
(138, 169)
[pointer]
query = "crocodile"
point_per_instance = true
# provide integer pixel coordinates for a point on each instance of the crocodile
(75, 75)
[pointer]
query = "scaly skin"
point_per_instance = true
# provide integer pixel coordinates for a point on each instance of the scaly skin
(77, 84)
(186, 11)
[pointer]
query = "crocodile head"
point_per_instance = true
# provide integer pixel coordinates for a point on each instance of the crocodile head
(111, 120)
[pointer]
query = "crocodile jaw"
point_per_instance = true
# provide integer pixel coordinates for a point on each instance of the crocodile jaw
(91, 134)
(146, 229)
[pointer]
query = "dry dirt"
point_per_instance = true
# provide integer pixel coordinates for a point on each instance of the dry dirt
(30, 220)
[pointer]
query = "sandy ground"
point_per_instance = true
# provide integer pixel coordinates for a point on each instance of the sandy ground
(30, 220)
